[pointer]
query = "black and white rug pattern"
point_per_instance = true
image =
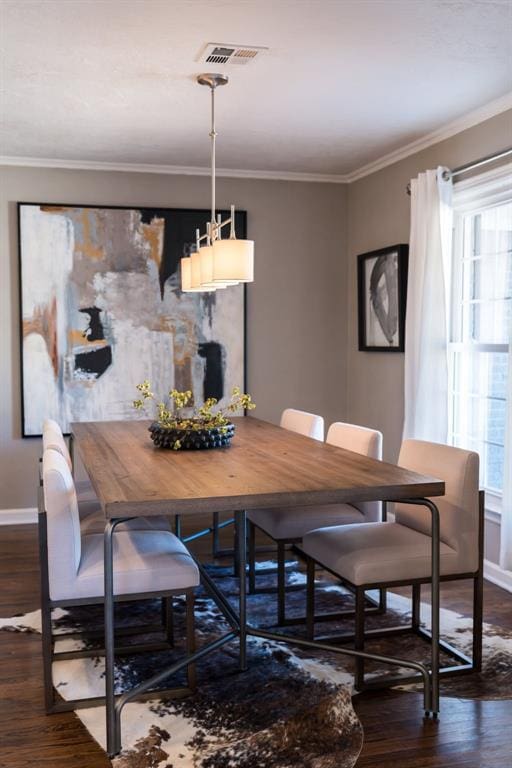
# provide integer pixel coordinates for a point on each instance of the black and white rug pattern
(292, 709)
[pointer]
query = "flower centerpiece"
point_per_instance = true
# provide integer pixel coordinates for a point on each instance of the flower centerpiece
(181, 426)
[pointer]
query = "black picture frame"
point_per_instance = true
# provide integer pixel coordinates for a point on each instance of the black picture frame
(378, 329)
(198, 218)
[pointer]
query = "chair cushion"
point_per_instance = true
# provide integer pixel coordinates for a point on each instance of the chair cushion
(92, 520)
(144, 561)
(294, 522)
(376, 553)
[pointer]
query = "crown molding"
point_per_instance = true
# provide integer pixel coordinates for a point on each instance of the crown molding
(176, 170)
(469, 120)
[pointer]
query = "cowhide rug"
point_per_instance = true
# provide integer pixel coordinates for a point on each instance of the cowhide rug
(292, 709)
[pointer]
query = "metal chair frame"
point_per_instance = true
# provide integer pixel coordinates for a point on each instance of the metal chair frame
(466, 665)
(282, 544)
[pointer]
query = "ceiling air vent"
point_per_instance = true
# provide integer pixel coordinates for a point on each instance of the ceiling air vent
(227, 55)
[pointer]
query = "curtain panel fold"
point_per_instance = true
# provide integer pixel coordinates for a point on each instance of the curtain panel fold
(506, 509)
(426, 327)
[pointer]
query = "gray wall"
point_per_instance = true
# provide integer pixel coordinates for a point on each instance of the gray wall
(302, 307)
(378, 211)
(296, 307)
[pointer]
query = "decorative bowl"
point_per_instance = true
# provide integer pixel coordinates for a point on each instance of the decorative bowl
(191, 439)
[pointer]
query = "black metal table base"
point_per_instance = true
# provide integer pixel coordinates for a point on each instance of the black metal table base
(241, 630)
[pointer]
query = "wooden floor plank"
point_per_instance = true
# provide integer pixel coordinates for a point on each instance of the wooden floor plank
(470, 734)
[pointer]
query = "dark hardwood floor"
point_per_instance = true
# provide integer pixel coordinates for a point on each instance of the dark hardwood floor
(470, 734)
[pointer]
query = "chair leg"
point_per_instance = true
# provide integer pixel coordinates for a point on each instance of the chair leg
(416, 606)
(47, 642)
(359, 638)
(236, 553)
(177, 526)
(281, 583)
(215, 534)
(252, 557)
(478, 595)
(383, 600)
(168, 619)
(310, 600)
(191, 639)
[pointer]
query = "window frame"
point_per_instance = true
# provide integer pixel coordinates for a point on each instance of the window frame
(472, 196)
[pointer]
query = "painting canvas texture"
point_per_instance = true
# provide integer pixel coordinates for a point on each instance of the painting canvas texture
(102, 309)
(381, 308)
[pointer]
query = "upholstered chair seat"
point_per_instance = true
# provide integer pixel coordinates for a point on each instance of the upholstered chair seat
(294, 522)
(377, 553)
(387, 552)
(144, 561)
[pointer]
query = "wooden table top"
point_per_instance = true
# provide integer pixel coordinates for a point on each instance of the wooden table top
(265, 466)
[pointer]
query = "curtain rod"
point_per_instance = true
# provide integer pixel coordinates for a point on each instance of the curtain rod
(471, 166)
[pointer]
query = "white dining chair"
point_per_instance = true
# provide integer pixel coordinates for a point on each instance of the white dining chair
(147, 564)
(288, 525)
(397, 554)
(92, 519)
(301, 422)
(54, 438)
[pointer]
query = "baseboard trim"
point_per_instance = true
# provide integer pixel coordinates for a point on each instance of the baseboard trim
(497, 575)
(18, 516)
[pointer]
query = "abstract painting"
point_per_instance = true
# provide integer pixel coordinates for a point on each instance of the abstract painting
(102, 309)
(382, 290)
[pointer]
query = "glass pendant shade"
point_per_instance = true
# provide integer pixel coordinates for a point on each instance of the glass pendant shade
(233, 261)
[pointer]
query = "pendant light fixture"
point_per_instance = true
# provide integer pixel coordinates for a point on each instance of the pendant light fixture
(217, 262)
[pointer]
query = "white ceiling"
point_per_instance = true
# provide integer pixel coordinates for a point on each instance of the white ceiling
(344, 82)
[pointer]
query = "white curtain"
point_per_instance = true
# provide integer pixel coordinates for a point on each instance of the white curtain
(426, 327)
(506, 510)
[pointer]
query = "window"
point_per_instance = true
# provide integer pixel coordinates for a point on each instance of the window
(481, 316)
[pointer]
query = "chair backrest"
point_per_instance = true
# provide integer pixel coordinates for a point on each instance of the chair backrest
(62, 519)
(458, 508)
(53, 438)
(303, 423)
(362, 440)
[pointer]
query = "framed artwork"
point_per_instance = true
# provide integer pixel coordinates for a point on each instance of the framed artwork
(101, 310)
(382, 294)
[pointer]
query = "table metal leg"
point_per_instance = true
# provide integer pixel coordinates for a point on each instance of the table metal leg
(435, 602)
(435, 606)
(112, 736)
(113, 732)
(241, 541)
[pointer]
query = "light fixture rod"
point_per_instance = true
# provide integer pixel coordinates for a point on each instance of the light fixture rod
(232, 235)
(218, 227)
(213, 135)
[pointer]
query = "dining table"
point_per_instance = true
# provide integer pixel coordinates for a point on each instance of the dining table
(265, 466)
